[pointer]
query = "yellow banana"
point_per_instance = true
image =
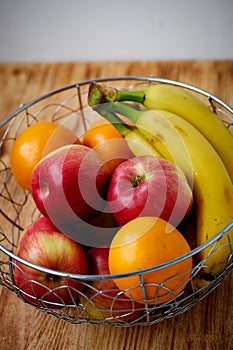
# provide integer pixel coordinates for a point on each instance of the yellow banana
(180, 141)
(139, 145)
(181, 102)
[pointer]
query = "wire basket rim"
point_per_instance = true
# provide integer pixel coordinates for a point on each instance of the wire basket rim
(117, 78)
(126, 274)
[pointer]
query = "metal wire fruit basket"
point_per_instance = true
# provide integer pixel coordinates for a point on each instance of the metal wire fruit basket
(68, 106)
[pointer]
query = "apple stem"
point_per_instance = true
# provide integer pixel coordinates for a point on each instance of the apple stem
(137, 181)
(101, 94)
(50, 277)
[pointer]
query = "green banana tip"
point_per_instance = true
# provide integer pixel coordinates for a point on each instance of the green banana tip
(99, 94)
(95, 95)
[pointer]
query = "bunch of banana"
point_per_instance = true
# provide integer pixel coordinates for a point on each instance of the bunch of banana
(174, 99)
(177, 139)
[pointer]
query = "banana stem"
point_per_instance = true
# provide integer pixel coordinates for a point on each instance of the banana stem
(120, 108)
(119, 124)
(100, 94)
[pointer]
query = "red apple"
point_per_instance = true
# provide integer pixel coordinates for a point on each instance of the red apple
(103, 300)
(41, 244)
(69, 186)
(149, 186)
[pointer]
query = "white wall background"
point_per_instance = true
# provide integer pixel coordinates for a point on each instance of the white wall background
(87, 30)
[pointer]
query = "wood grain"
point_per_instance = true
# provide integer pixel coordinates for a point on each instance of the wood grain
(208, 325)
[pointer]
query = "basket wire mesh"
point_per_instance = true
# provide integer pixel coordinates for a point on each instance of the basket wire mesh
(68, 106)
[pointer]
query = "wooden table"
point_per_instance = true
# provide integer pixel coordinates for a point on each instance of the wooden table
(208, 325)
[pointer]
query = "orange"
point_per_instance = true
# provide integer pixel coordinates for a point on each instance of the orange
(32, 144)
(108, 142)
(144, 243)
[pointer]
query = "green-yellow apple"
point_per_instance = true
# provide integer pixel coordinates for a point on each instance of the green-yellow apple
(41, 244)
(149, 186)
(69, 186)
(103, 300)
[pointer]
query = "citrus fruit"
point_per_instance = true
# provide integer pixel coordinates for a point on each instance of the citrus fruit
(108, 142)
(144, 243)
(32, 144)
